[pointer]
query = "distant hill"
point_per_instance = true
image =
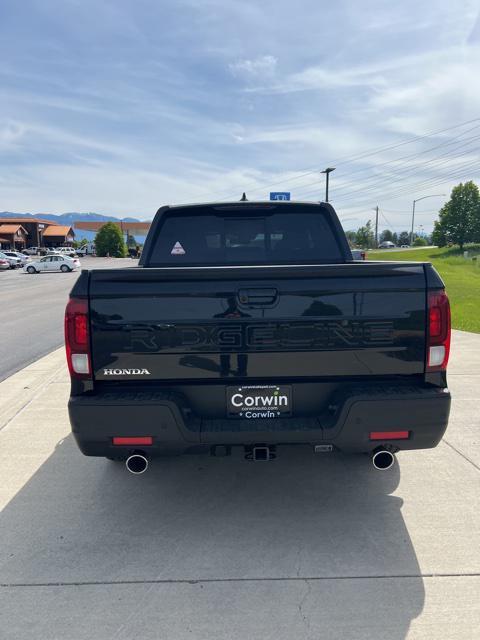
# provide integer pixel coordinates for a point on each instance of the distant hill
(71, 218)
(66, 218)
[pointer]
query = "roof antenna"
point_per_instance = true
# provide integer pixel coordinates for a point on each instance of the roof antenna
(244, 197)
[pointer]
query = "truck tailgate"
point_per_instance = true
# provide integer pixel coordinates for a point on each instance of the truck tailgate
(254, 323)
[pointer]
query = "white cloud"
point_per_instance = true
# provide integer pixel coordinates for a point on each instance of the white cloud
(10, 134)
(261, 68)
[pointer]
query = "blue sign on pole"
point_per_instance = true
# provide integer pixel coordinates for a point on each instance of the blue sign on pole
(280, 195)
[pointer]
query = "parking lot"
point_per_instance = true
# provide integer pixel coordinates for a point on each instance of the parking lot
(31, 311)
(303, 547)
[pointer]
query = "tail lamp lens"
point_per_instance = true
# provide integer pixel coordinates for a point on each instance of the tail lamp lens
(77, 338)
(439, 329)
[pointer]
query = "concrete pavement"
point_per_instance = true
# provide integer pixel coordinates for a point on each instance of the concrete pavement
(32, 308)
(305, 547)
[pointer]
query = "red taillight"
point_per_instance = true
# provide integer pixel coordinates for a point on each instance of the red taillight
(438, 339)
(133, 441)
(389, 435)
(77, 339)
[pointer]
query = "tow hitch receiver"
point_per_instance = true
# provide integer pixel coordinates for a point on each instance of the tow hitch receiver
(260, 453)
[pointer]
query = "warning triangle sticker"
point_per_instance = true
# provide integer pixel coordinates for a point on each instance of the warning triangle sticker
(177, 250)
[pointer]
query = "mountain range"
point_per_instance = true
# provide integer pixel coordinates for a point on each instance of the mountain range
(66, 218)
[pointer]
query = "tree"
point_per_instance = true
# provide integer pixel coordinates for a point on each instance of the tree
(365, 236)
(459, 219)
(131, 242)
(386, 236)
(419, 242)
(351, 237)
(438, 236)
(79, 243)
(109, 241)
(404, 238)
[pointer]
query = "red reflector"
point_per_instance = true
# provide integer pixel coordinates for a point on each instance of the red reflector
(389, 435)
(139, 440)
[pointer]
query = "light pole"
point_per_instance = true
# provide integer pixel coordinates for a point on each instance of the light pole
(327, 173)
(435, 195)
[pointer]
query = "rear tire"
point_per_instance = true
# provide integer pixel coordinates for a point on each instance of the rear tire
(31, 270)
(64, 268)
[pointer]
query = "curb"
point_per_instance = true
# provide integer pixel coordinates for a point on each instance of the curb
(21, 388)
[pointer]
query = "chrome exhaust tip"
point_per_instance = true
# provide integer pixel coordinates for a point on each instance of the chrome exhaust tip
(383, 459)
(137, 463)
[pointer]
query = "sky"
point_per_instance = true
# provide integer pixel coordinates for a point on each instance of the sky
(121, 106)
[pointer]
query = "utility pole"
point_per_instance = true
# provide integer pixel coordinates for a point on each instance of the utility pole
(413, 222)
(327, 173)
(376, 227)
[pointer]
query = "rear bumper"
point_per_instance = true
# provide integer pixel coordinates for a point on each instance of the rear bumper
(351, 415)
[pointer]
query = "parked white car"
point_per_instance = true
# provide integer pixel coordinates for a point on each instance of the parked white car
(53, 263)
(66, 251)
(13, 261)
(16, 254)
(31, 251)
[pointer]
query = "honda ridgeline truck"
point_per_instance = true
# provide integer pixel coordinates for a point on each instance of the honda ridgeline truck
(248, 324)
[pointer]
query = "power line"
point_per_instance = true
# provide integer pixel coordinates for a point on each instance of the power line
(377, 189)
(428, 183)
(402, 160)
(345, 160)
(395, 176)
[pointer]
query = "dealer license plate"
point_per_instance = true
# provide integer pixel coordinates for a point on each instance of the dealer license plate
(259, 401)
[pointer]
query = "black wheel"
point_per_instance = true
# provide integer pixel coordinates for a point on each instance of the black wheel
(31, 270)
(64, 268)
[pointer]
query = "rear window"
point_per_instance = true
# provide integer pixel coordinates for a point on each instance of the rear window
(294, 237)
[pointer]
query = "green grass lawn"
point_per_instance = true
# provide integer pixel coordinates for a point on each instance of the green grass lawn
(461, 277)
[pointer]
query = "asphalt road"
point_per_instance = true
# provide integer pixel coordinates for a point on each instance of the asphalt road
(31, 312)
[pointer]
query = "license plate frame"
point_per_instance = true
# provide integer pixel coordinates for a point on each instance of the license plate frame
(259, 401)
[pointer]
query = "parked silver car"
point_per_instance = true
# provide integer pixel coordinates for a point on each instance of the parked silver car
(386, 244)
(16, 254)
(12, 261)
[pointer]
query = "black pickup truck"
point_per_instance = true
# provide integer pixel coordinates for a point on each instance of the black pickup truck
(249, 325)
